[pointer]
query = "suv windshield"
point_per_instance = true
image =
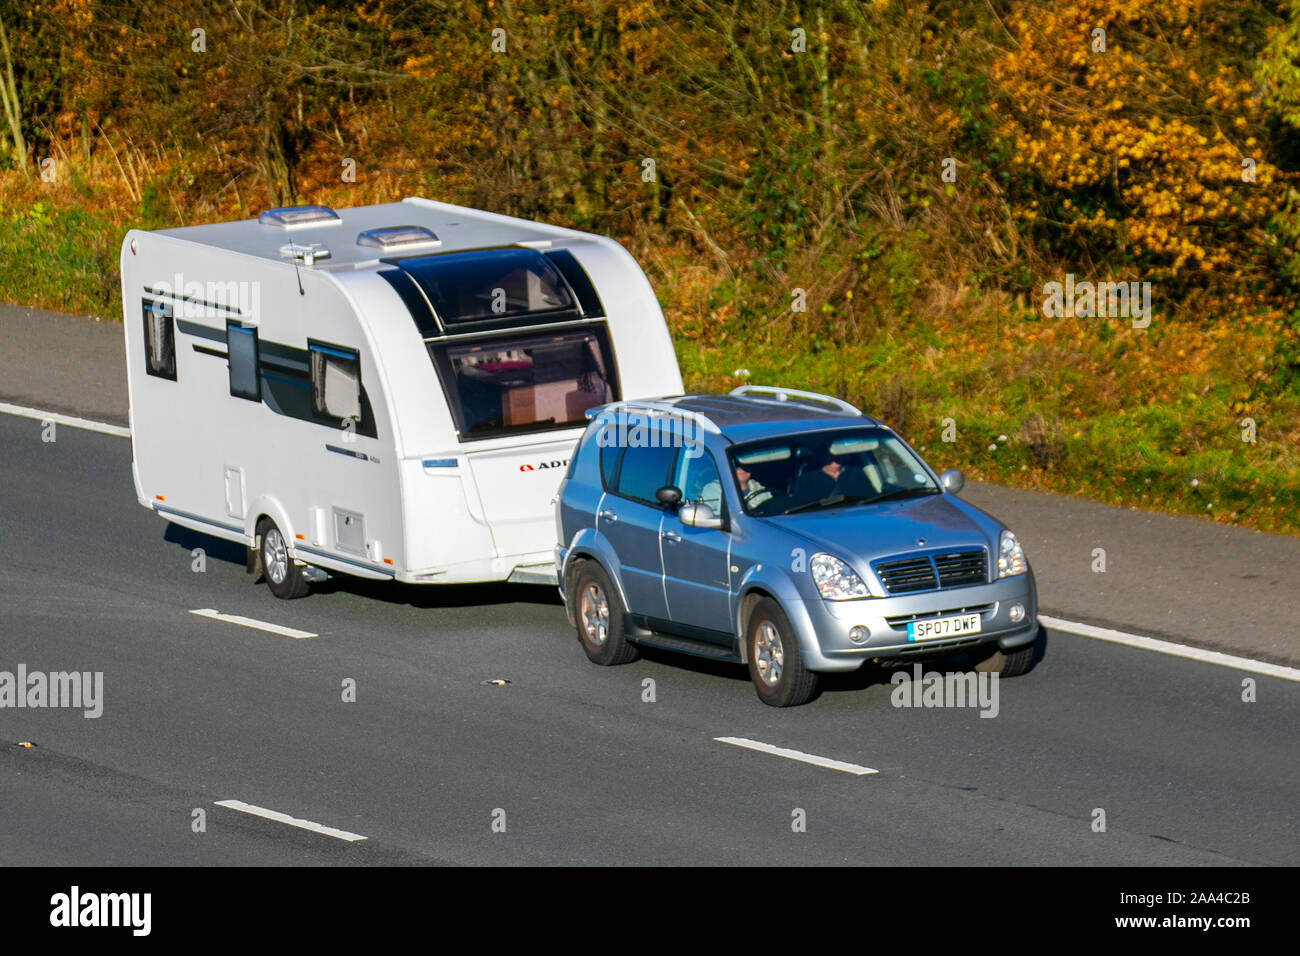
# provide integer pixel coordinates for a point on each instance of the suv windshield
(825, 470)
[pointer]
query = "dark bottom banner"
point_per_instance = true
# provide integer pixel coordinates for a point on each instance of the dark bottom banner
(335, 905)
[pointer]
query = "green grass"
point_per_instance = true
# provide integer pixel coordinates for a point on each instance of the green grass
(64, 262)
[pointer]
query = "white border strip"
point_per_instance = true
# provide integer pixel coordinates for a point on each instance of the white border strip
(1176, 650)
(797, 755)
(250, 622)
(71, 421)
(279, 817)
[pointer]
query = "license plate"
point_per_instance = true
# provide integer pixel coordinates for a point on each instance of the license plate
(938, 627)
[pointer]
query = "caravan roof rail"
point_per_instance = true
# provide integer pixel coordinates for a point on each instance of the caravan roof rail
(775, 393)
(667, 408)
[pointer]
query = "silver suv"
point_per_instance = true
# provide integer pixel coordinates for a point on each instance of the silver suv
(783, 530)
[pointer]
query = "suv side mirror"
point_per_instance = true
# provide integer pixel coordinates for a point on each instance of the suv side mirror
(952, 481)
(699, 515)
(669, 495)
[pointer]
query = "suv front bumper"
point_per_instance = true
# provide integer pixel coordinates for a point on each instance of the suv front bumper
(823, 626)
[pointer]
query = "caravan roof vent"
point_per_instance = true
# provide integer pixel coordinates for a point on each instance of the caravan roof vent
(398, 238)
(299, 217)
(305, 252)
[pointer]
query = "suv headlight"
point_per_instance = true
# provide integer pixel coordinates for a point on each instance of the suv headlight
(835, 580)
(1011, 559)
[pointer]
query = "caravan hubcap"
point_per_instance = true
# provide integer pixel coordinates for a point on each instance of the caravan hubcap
(769, 655)
(275, 556)
(593, 609)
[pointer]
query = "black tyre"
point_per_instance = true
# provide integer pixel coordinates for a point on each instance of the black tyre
(283, 577)
(775, 663)
(1010, 663)
(598, 613)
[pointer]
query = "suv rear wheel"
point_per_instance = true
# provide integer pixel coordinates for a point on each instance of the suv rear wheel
(775, 664)
(599, 616)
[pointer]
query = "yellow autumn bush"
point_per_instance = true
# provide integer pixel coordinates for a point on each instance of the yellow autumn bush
(1130, 142)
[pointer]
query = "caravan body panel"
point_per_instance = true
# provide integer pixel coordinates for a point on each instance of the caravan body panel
(308, 388)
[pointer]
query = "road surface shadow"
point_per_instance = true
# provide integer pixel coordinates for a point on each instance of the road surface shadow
(390, 592)
(868, 675)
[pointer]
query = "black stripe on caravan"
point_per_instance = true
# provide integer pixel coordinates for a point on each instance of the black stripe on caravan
(293, 368)
(176, 297)
(351, 454)
(201, 331)
(288, 355)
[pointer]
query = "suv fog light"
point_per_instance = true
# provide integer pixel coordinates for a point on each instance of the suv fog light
(859, 634)
(1016, 613)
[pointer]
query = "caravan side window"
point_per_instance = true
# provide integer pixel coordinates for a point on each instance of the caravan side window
(335, 382)
(159, 339)
(242, 353)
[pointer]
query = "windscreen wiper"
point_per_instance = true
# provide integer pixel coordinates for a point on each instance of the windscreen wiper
(906, 493)
(830, 501)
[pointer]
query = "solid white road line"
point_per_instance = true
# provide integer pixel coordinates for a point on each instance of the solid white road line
(279, 817)
(796, 755)
(250, 622)
(70, 420)
(1168, 647)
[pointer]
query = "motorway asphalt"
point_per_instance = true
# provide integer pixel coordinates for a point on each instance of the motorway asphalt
(586, 771)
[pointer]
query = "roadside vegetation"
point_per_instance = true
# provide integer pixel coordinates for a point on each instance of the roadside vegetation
(865, 198)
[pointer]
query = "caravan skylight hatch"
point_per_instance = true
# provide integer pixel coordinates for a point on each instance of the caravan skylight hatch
(299, 217)
(395, 238)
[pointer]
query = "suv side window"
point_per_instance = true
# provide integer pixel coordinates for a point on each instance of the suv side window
(609, 452)
(697, 477)
(644, 471)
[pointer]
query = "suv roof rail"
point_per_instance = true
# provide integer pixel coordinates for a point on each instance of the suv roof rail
(667, 408)
(776, 393)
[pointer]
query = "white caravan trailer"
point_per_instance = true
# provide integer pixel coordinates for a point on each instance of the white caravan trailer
(388, 391)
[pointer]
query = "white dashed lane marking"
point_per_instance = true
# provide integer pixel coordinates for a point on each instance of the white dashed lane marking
(70, 420)
(251, 622)
(279, 817)
(813, 759)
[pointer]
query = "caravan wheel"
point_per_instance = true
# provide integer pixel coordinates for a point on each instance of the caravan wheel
(283, 577)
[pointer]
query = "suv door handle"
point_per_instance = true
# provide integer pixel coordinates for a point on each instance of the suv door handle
(670, 535)
(609, 515)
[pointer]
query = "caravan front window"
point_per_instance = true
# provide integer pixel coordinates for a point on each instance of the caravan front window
(526, 383)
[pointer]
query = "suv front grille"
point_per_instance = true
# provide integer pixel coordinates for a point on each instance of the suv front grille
(912, 574)
(961, 567)
(947, 569)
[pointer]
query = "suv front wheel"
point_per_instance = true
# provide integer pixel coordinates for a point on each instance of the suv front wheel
(775, 664)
